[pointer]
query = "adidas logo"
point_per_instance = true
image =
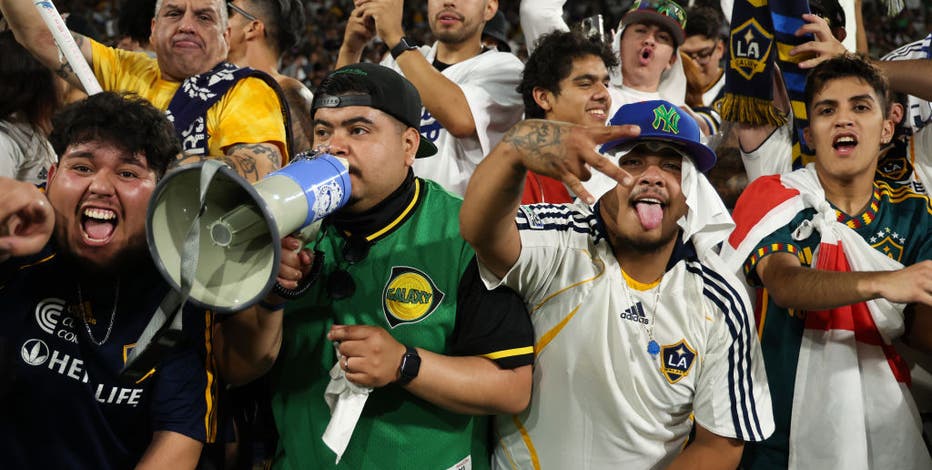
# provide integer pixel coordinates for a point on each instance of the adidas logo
(635, 313)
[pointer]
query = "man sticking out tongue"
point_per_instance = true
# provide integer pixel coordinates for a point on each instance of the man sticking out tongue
(639, 323)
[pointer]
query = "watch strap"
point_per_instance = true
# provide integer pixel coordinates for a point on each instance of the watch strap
(410, 366)
(403, 45)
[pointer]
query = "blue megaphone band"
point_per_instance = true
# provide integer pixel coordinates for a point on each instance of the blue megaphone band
(325, 181)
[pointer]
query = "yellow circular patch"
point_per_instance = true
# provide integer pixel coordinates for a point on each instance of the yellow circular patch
(410, 296)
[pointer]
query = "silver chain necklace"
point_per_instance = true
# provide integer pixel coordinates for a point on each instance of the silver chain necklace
(653, 348)
(116, 300)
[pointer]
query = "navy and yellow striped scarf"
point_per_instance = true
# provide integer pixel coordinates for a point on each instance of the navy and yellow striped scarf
(761, 35)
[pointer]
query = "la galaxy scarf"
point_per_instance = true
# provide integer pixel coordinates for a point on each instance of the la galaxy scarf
(188, 107)
(851, 402)
(761, 35)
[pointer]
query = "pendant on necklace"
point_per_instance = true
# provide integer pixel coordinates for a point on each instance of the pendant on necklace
(653, 348)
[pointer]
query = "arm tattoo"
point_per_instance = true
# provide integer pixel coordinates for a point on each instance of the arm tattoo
(540, 139)
(66, 71)
(268, 151)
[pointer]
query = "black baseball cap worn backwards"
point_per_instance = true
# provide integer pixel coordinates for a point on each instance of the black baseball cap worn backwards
(391, 93)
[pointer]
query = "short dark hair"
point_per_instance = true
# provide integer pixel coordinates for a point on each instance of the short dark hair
(26, 86)
(284, 21)
(830, 10)
(844, 66)
(705, 21)
(552, 61)
(124, 120)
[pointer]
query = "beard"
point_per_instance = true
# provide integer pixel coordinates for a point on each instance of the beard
(645, 244)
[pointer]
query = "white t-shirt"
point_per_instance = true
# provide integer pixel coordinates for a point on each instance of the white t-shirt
(600, 399)
(489, 81)
(25, 154)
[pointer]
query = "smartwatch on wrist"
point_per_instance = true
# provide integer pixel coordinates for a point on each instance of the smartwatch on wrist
(403, 45)
(410, 366)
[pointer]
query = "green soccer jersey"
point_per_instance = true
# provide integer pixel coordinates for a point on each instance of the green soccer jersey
(897, 223)
(408, 283)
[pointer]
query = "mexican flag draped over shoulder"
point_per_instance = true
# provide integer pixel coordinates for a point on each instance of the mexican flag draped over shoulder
(852, 407)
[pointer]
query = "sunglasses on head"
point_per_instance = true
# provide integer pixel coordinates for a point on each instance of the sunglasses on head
(231, 8)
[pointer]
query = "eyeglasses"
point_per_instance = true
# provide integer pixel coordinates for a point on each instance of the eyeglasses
(702, 56)
(233, 8)
(340, 283)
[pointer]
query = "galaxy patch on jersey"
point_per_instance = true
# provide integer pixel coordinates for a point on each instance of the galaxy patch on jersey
(677, 360)
(409, 296)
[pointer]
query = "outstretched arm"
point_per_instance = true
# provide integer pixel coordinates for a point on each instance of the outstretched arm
(557, 149)
(792, 285)
(31, 31)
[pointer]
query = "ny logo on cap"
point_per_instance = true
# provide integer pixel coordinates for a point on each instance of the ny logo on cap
(666, 117)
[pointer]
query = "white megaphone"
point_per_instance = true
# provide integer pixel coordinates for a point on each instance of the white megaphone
(238, 248)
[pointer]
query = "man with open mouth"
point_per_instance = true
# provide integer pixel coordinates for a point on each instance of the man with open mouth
(77, 288)
(836, 254)
(641, 333)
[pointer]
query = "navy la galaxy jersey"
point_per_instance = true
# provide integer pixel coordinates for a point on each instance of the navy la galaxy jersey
(62, 403)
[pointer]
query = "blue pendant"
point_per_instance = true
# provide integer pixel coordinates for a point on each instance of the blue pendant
(653, 348)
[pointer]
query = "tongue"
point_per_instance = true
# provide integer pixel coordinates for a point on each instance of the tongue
(98, 230)
(650, 214)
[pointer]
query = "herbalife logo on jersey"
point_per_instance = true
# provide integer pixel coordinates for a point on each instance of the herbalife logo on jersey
(635, 313)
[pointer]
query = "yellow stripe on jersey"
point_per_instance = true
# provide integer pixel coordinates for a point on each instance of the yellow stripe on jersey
(535, 461)
(501, 443)
(547, 337)
(210, 417)
(551, 296)
(902, 193)
(764, 300)
(509, 353)
(638, 285)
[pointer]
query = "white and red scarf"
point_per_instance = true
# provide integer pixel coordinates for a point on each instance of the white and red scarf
(852, 407)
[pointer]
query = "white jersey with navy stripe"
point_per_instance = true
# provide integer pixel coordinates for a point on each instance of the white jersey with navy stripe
(600, 400)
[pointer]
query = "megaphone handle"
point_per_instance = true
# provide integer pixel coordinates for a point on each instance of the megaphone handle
(306, 282)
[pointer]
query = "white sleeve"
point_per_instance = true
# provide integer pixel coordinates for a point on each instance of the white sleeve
(550, 234)
(11, 157)
(732, 393)
(539, 17)
(773, 157)
(920, 152)
(491, 92)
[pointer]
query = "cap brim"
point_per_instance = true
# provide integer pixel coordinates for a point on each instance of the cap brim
(702, 156)
(651, 16)
(425, 148)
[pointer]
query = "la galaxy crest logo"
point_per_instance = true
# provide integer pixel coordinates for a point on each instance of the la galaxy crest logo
(677, 360)
(666, 119)
(409, 296)
(750, 48)
(889, 243)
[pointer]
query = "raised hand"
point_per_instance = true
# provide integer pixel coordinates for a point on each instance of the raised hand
(566, 151)
(26, 219)
(822, 48)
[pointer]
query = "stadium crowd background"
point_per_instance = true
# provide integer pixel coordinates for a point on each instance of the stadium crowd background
(316, 55)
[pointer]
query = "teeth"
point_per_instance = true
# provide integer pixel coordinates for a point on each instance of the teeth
(649, 200)
(99, 214)
(845, 140)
